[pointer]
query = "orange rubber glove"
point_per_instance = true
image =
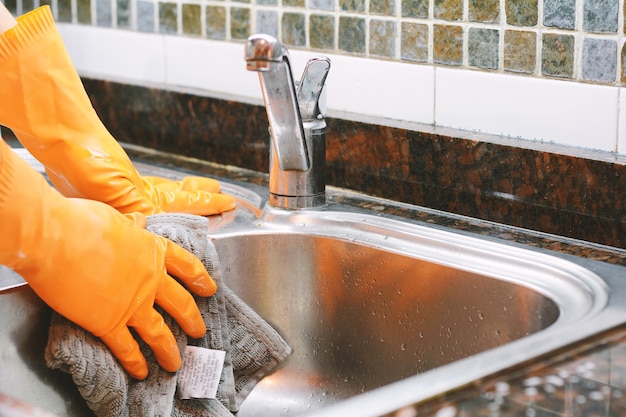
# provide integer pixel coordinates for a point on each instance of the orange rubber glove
(98, 268)
(43, 101)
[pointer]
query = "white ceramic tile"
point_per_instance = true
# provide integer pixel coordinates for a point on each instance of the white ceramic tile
(108, 53)
(621, 137)
(209, 65)
(385, 89)
(563, 112)
(378, 88)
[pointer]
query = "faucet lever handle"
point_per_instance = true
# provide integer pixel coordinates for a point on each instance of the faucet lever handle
(311, 86)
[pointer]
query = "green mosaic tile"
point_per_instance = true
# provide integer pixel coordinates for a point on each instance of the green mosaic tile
(520, 51)
(414, 42)
(383, 7)
(352, 34)
(448, 44)
(294, 29)
(11, 5)
(239, 22)
(322, 31)
(215, 22)
(123, 13)
(27, 5)
(521, 12)
(415, 8)
(64, 11)
(559, 13)
(168, 18)
(267, 2)
(557, 55)
(382, 38)
(192, 19)
(83, 11)
(294, 3)
(483, 46)
(600, 16)
(449, 9)
(485, 11)
(352, 5)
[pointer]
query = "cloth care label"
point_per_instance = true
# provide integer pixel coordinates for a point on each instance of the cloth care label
(200, 372)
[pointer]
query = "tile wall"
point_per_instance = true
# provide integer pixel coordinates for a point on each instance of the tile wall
(580, 40)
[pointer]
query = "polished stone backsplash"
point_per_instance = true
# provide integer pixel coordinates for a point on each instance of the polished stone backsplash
(556, 190)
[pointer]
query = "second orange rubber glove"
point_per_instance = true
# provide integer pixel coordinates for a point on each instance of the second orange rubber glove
(98, 268)
(43, 101)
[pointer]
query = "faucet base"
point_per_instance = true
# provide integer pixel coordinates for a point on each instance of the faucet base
(297, 202)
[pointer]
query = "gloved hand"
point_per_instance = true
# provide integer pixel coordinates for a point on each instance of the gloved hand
(43, 101)
(97, 267)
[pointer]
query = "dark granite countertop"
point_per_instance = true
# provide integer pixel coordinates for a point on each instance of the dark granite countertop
(588, 379)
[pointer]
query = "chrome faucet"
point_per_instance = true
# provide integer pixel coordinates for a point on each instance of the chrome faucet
(296, 123)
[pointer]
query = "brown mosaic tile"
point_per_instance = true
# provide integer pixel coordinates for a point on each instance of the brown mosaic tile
(192, 19)
(239, 22)
(294, 29)
(215, 22)
(521, 12)
(383, 7)
(168, 18)
(322, 31)
(484, 11)
(64, 11)
(448, 44)
(352, 34)
(415, 8)
(623, 58)
(449, 9)
(520, 51)
(557, 55)
(83, 11)
(414, 42)
(382, 38)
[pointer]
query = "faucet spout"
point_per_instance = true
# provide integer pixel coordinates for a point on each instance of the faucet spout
(297, 126)
(266, 55)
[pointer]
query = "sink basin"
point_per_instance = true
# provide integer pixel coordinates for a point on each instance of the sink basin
(380, 312)
(371, 304)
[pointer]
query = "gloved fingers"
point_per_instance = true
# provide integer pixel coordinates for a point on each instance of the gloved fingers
(177, 301)
(149, 325)
(194, 202)
(186, 267)
(126, 349)
(186, 184)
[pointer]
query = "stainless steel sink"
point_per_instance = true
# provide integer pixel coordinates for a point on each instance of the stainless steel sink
(381, 312)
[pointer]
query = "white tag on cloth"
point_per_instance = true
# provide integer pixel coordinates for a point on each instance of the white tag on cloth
(200, 372)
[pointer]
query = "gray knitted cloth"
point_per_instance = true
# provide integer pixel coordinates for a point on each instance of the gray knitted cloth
(253, 348)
